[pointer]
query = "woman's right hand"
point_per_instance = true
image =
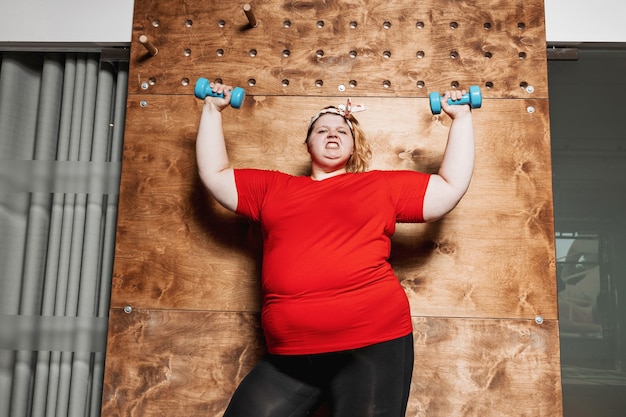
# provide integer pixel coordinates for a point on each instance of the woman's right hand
(220, 103)
(454, 110)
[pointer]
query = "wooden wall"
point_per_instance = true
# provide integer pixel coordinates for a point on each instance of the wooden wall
(184, 308)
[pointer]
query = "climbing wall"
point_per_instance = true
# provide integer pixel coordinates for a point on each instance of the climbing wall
(184, 327)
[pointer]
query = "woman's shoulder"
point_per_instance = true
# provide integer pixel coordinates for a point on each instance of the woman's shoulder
(259, 172)
(391, 174)
(265, 176)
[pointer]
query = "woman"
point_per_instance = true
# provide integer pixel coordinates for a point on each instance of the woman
(336, 319)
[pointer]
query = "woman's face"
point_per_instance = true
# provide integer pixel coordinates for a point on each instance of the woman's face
(330, 143)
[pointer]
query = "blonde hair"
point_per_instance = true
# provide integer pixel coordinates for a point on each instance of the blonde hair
(362, 155)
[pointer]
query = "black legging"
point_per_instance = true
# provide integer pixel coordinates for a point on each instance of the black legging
(370, 381)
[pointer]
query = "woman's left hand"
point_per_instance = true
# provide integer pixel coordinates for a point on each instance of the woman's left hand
(454, 110)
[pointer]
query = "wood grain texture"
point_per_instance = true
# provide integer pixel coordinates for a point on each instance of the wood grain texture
(486, 42)
(493, 256)
(172, 363)
(472, 367)
(189, 363)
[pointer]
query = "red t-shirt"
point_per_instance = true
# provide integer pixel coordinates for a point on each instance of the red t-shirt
(327, 284)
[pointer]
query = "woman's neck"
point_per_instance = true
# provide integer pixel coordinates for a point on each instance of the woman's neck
(318, 174)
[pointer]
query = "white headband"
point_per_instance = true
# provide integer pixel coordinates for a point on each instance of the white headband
(343, 110)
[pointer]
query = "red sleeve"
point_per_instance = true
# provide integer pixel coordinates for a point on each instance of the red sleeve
(408, 189)
(252, 186)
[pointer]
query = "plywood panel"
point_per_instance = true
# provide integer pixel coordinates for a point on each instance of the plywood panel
(471, 367)
(431, 43)
(189, 363)
(491, 257)
(477, 280)
(172, 363)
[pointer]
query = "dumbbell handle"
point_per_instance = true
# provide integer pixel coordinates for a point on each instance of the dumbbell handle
(473, 98)
(203, 89)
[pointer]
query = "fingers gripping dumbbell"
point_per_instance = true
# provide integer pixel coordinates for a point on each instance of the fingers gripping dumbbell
(203, 89)
(474, 98)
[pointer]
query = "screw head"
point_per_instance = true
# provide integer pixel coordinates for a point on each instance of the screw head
(539, 320)
(128, 309)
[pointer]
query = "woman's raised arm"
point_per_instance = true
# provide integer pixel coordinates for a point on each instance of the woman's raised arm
(212, 159)
(447, 187)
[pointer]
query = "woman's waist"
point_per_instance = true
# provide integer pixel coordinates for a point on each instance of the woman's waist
(360, 315)
(321, 280)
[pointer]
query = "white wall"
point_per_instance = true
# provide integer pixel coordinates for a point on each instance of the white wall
(594, 21)
(110, 21)
(107, 22)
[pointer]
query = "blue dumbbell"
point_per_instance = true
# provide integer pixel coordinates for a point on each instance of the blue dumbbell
(474, 98)
(203, 89)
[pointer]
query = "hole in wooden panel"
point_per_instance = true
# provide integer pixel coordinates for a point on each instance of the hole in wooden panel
(286, 53)
(523, 85)
(454, 25)
(319, 53)
(488, 55)
(219, 52)
(285, 83)
(156, 23)
(454, 54)
(353, 54)
(252, 53)
(319, 83)
(489, 85)
(487, 26)
(454, 84)
(420, 84)
(420, 54)
(386, 84)
(387, 54)
(521, 25)
(188, 23)
(152, 81)
(187, 52)
(287, 23)
(353, 25)
(251, 82)
(320, 24)
(184, 82)
(387, 24)
(419, 25)
(218, 80)
(522, 55)
(221, 23)
(352, 83)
